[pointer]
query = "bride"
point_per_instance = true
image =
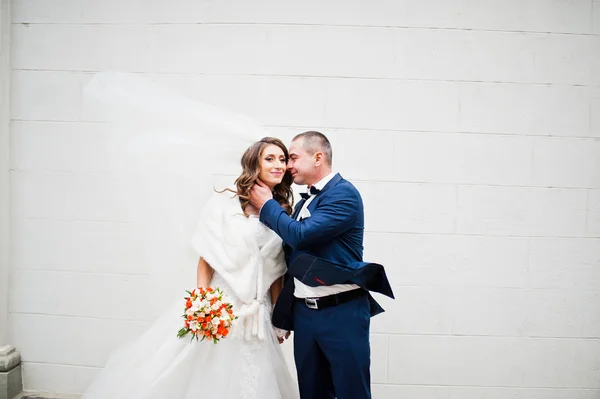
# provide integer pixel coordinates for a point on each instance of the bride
(243, 258)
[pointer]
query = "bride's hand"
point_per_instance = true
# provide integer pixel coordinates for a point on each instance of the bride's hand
(282, 335)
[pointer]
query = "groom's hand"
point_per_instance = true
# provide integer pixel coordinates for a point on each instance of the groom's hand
(259, 194)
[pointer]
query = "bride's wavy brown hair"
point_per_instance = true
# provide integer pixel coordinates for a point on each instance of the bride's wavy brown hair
(282, 192)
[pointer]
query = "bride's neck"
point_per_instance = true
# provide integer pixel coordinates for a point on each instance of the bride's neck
(251, 210)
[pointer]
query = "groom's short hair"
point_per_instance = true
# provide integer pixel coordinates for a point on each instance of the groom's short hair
(316, 141)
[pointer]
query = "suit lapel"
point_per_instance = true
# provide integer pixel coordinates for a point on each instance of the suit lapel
(297, 208)
(335, 180)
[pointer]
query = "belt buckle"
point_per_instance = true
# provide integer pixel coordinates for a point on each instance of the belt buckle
(311, 303)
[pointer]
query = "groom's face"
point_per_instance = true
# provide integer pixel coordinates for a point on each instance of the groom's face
(301, 164)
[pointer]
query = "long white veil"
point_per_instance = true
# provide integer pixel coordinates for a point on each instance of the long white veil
(168, 153)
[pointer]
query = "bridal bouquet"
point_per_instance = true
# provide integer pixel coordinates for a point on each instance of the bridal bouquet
(207, 315)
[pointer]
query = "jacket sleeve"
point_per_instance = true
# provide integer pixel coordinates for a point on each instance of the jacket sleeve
(332, 217)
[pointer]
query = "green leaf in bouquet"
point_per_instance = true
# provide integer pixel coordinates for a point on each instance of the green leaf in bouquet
(182, 332)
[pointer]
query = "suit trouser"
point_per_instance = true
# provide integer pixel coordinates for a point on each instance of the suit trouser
(332, 352)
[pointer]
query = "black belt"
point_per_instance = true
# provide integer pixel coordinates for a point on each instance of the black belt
(332, 300)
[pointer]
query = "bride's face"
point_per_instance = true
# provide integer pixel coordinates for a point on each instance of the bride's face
(272, 165)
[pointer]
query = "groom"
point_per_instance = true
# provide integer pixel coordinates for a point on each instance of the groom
(325, 299)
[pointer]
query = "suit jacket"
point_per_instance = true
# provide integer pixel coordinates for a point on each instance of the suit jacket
(325, 248)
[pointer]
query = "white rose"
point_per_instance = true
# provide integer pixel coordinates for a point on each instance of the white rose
(193, 325)
(196, 305)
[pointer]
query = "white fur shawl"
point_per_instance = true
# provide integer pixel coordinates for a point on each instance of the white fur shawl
(226, 239)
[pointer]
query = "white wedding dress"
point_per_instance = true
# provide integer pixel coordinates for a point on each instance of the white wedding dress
(163, 151)
(158, 365)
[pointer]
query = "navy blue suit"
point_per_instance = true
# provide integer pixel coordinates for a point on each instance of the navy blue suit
(331, 345)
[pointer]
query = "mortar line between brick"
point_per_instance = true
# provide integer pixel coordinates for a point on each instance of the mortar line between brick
(299, 76)
(299, 24)
(357, 129)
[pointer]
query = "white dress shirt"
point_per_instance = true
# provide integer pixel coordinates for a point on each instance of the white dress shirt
(302, 290)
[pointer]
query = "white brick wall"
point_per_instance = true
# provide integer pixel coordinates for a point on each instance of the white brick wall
(471, 128)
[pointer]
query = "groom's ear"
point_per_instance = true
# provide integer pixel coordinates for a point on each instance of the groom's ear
(319, 157)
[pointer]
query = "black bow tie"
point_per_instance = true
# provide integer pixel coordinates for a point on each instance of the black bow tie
(313, 191)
